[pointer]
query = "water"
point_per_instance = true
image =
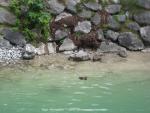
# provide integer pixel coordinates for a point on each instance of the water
(60, 91)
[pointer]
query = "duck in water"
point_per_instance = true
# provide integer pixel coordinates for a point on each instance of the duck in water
(83, 78)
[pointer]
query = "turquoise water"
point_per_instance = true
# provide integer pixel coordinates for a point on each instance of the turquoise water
(60, 91)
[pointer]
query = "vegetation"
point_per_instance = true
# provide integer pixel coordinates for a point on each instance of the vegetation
(33, 20)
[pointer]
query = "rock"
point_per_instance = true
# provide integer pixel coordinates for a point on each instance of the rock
(5, 44)
(121, 18)
(133, 26)
(15, 38)
(96, 19)
(123, 53)
(109, 47)
(144, 3)
(29, 52)
(6, 17)
(146, 50)
(4, 2)
(71, 5)
(100, 35)
(51, 48)
(112, 35)
(55, 7)
(62, 15)
(28, 56)
(67, 45)
(130, 41)
(145, 34)
(113, 9)
(142, 17)
(95, 56)
(60, 34)
(79, 56)
(84, 27)
(87, 14)
(41, 50)
(93, 6)
(113, 24)
(30, 49)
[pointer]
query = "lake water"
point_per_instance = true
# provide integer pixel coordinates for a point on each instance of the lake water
(37, 90)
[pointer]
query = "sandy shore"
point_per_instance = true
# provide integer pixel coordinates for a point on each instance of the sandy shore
(134, 61)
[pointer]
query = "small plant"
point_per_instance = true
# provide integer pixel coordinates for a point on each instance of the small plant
(32, 18)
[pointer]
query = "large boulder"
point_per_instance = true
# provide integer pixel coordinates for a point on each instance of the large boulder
(145, 34)
(55, 6)
(6, 17)
(84, 27)
(15, 38)
(130, 41)
(142, 17)
(144, 3)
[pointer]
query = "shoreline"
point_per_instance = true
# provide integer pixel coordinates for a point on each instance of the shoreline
(134, 61)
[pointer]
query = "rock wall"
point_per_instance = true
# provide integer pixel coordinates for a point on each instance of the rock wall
(84, 29)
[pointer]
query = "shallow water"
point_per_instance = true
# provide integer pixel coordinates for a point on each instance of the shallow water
(60, 91)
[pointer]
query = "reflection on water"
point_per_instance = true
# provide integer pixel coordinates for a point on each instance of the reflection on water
(60, 91)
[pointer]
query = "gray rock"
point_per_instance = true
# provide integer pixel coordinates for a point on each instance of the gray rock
(93, 6)
(4, 2)
(84, 27)
(100, 34)
(6, 17)
(130, 41)
(123, 53)
(96, 19)
(133, 26)
(87, 14)
(121, 18)
(51, 48)
(62, 15)
(113, 24)
(109, 47)
(60, 34)
(144, 3)
(28, 56)
(80, 56)
(30, 49)
(112, 35)
(95, 56)
(41, 50)
(142, 17)
(5, 44)
(55, 7)
(29, 52)
(15, 38)
(71, 5)
(67, 45)
(146, 50)
(145, 34)
(113, 9)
